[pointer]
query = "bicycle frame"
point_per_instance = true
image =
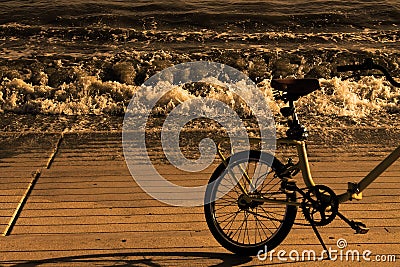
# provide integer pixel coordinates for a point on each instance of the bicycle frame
(354, 189)
(318, 202)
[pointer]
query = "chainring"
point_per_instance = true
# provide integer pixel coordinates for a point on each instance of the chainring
(320, 205)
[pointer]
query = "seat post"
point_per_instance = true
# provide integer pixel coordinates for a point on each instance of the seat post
(296, 130)
(295, 118)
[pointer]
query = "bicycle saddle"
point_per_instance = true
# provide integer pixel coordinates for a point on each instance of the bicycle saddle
(293, 89)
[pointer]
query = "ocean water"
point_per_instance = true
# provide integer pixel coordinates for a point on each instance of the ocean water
(78, 58)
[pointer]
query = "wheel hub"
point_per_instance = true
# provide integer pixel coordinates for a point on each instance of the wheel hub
(245, 202)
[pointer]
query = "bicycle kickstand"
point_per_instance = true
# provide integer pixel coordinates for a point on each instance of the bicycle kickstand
(314, 227)
(358, 226)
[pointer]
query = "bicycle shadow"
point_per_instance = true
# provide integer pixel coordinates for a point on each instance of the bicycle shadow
(211, 259)
(146, 259)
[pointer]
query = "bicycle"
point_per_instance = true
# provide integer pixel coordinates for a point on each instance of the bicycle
(261, 207)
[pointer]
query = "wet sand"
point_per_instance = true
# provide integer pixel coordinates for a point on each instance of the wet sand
(85, 209)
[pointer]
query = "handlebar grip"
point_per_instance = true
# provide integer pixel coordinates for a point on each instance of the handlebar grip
(369, 65)
(349, 68)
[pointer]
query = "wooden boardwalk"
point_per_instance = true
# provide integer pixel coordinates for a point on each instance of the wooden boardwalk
(86, 209)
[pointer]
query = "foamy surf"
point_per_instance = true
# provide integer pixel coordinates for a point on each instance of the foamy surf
(89, 95)
(88, 59)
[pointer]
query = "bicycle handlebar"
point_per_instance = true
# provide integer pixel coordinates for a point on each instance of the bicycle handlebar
(369, 65)
(349, 68)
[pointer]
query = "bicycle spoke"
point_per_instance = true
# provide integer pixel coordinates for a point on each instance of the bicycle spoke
(265, 227)
(271, 215)
(229, 216)
(234, 200)
(219, 208)
(238, 230)
(274, 185)
(247, 227)
(260, 222)
(259, 176)
(231, 222)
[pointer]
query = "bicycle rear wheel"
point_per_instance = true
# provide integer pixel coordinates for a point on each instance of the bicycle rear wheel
(241, 226)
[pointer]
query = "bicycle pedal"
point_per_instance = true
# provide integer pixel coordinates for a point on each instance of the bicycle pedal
(360, 227)
(362, 230)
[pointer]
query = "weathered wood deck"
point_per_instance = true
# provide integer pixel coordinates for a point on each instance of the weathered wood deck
(86, 209)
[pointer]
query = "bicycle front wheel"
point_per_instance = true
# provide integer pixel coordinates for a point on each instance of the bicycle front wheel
(240, 225)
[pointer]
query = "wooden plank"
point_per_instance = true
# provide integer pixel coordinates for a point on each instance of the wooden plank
(87, 207)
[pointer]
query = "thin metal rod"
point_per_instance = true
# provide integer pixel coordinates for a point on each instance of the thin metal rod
(21, 204)
(28, 191)
(55, 151)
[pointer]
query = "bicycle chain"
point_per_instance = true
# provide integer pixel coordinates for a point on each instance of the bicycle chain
(331, 201)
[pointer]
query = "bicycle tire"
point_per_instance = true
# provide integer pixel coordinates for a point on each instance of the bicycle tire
(284, 216)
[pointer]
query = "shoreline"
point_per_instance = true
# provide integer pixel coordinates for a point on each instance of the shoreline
(337, 135)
